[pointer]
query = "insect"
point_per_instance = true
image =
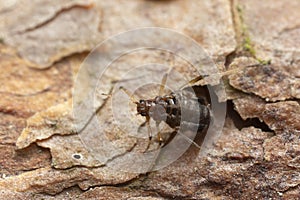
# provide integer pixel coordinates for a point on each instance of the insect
(177, 109)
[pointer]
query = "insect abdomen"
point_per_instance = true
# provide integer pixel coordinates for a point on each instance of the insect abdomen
(182, 112)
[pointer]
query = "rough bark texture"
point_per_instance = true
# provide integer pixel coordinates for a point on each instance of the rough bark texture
(42, 46)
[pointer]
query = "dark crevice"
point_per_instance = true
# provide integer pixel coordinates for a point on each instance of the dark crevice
(288, 29)
(26, 95)
(133, 185)
(8, 144)
(235, 21)
(229, 58)
(15, 113)
(241, 123)
(68, 190)
(46, 22)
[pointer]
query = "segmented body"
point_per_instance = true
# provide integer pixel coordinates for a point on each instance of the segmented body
(177, 109)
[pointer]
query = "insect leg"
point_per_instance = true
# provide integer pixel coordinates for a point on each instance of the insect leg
(160, 140)
(142, 125)
(149, 132)
(149, 128)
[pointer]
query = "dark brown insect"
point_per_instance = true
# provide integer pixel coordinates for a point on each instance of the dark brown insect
(188, 108)
(171, 108)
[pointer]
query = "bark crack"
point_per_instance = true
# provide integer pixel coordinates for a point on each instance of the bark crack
(46, 22)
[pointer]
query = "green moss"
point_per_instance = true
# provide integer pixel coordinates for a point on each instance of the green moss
(239, 9)
(264, 62)
(241, 19)
(246, 42)
(247, 46)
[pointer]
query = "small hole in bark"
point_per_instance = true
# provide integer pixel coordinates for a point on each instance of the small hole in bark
(77, 156)
(240, 123)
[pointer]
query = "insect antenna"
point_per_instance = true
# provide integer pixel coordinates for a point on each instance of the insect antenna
(108, 95)
(201, 79)
(165, 77)
(228, 72)
(163, 82)
(147, 122)
(129, 94)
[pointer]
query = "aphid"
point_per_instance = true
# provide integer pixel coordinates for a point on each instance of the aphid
(170, 108)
